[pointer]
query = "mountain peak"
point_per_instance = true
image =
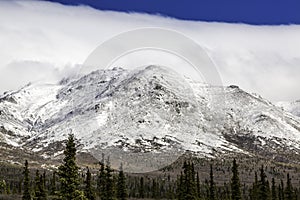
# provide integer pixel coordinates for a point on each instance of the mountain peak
(149, 110)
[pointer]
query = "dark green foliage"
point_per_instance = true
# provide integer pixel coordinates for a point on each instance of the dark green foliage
(235, 182)
(44, 180)
(141, 191)
(53, 184)
(180, 187)
(106, 182)
(39, 190)
(170, 192)
(164, 185)
(7, 189)
(263, 185)
(254, 189)
(273, 190)
(26, 184)
(110, 192)
(121, 185)
(101, 182)
(198, 186)
(186, 184)
(289, 193)
(2, 187)
(68, 173)
(281, 191)
(155, 189)
(89, 191)
(36, 183)
(189, 181)
(212, 195)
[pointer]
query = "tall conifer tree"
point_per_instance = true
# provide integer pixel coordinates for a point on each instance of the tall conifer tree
(273, 190)
(53, 184)
(26, 191)
(289, 194)
(40, 192)
(235, 183)
(212, 195)
(68, 173)
(141, 189)
(110, 190)
(198, 185)
(263, 189)
(121, 185)
(101, 182)
(89, 191)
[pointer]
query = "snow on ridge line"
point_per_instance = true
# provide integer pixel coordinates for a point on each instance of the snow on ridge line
(137, 110)
(291, 107)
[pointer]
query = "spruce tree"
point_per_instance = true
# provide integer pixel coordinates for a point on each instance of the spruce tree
(281, 190)
(205, 194)
(180, 187)
(254, 189)
(26, 192)
(185, 180)
(211, 184)
(89, 191)
(273, 190)
(170, 192)
(36, 184)
(2, 186)
(186, 183)
(101, 182)
(263, 189)
(141, 189)
(154, 189)
(44, 180)
(121, 185)
(198, 185)
(289, 189)
(53, 184)
(37, 178)
(191, 183)
(110, 192)
(40, 192)
(235, 183)
(8, 189)
(68, 173)
(20, 186)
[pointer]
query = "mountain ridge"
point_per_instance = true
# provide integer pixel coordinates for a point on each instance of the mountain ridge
(292, 107)
(147, 112)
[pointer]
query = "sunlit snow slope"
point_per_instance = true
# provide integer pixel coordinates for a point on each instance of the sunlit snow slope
(149, 109)
(292, 107)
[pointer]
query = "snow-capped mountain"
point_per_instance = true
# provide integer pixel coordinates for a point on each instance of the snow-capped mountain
(148, 113)
(292, 107)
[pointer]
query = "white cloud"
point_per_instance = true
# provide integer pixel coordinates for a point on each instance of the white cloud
(42, 41)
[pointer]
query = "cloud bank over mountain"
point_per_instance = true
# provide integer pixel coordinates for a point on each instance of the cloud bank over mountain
(43, 41)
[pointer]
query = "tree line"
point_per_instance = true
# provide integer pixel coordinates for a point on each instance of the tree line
(109, 187)
(69, 183)
(189, 187)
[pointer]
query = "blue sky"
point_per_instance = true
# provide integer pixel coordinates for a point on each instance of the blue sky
(271, 12)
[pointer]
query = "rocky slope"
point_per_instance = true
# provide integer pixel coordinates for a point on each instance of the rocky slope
(146, 118)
